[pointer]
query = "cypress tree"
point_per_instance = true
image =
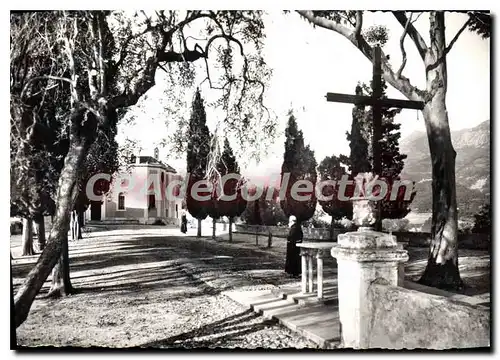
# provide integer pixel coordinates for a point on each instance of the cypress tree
(392, 161)
(233, 208)
(300, 163)
(331, 168)
(198, 151)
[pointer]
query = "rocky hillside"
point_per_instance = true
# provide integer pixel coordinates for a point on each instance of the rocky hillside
(472, 167)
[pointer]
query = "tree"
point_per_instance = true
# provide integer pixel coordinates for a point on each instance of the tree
(331, 169)
(252, 213)
(482, 220)
(198, 151)
(392, 161)
(300, 164)
(213, 207)
(87, 54)
(264, 211)
(271, 212)
(34, 124)
(232, 187)
(442, 266)
(359, 141)
(102, 157)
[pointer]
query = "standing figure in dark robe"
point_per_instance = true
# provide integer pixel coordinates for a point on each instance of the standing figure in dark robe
(184, 222)
(293, 263)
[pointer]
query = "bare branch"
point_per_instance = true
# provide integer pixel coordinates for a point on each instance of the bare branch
(402, 45)
(418, 40)
(414, 21)
(359, 23)
(457, 35)
(44, 77)
(402, 84)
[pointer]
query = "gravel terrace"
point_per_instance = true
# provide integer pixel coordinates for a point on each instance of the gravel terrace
(154, 287)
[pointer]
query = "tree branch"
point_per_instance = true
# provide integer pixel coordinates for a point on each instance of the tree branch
(359, 23)
(402, 45)
(457, 35)
(187, 55)
(130, 96)
(44, 77)
(418, 40)
(401, 84)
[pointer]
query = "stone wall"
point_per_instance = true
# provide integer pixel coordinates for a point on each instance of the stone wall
(316, 234)
(408, 319)
(414, 239)
(465, 241)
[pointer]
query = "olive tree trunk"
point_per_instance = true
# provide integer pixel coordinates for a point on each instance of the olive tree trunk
(27, 238)
(332, 223)
(58, 235)
(80, 217)
(230, 229)
(442, 266)
(199, 228)
(13, 335)
(40, 228)
(75, 226)
(61, 282)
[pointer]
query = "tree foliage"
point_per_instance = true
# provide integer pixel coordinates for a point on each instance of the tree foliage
(299, 162)
(198, 152)
(392, 161)
(482, 220)
(232, 187)
(265, 210)
(332, 169)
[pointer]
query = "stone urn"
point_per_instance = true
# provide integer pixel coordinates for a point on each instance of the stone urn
(364, 208)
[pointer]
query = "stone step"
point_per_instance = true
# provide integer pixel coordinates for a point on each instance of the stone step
(295, 295)
(315, 321)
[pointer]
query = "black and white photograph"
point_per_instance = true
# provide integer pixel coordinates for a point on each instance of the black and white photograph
(250, 180)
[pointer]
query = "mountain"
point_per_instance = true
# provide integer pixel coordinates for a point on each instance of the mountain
(472, 167)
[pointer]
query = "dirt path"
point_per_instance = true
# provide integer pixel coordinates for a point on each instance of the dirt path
(155, 287)
(151, 288)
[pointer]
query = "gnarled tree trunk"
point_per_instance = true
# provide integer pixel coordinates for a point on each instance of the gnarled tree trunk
(75, 228)
(442, 266)
(230, 229)
(331, 228)
(199, 228)
(58, 234)
(61, 282)
(269, 237)
(27, 238)
(81, 223)
(13, 336)
(40, 229)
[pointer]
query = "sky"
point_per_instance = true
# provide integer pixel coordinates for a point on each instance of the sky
(307, 63)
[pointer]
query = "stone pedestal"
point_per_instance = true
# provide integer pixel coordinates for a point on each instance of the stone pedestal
(363, 257)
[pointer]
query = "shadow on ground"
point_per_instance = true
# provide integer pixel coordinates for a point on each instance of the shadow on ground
(149, 262)
(222, 332)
